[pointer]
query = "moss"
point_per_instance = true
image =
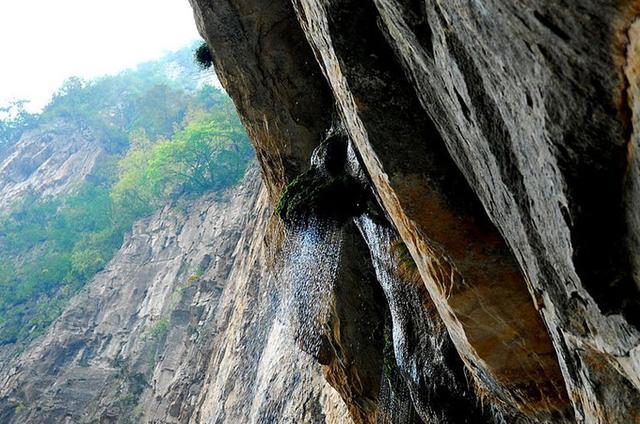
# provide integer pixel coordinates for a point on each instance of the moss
(313, 194)
(203, 56)
(20, 408)
(192, 280)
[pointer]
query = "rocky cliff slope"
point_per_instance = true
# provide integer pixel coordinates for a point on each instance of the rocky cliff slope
(457, 184)
(499, 139)
(180, 327)
(49, 161)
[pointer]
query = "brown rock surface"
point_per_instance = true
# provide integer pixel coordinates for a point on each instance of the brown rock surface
(500, 137)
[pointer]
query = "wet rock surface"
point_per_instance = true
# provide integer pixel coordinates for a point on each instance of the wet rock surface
(355, 330)
(425, 358)
(500, 138)
(325, 191)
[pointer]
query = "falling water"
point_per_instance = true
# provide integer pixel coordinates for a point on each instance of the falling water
(309, 267)
(395, 405)
(424, 378)
(425, 356)
(412, 336)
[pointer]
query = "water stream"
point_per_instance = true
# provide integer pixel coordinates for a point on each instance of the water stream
(310, 264)
(423, 377)
(413, 335)
(424, 354)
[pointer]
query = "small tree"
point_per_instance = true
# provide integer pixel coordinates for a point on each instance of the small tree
(14, 120)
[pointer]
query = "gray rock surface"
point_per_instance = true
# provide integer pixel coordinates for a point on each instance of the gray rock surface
(180, 327)
(501, 140)
(48, 161)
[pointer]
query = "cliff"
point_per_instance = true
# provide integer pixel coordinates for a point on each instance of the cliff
(180, 327)
(49, 161)
(498, 139)
(457, 184)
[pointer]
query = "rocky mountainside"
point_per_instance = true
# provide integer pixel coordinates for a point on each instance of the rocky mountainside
(180, 327)
(499, 140)
(48, 162)
(457, 187)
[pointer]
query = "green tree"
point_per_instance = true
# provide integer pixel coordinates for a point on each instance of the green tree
(14, 121)
(211, 153)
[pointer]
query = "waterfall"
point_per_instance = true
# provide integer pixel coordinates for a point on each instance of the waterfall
(412, 334)
(425, 356)
(395, 405)
(324, 273)
(309, 266)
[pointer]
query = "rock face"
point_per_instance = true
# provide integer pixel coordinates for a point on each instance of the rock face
(180, 327)
(48, 162)
(494, 141)
(500, 139)
(275, 109)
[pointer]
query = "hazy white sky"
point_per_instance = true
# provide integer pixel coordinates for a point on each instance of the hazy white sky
(42, 42)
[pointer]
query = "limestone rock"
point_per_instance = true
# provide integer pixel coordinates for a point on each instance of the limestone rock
(48, 162)
(178, 328)
(501, 140)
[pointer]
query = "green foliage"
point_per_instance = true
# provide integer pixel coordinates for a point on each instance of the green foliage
(160, 329)
(192, 280)
(51, 248)
(20, 408)
(15, 120)
(165, 138)
(203, 57)
(155, 96)
(211, 153)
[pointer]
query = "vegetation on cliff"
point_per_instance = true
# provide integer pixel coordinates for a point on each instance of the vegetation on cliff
(203, 56)
(166, 135)
(325, 191)
(314, 194)
(210, 153)
(14, 120)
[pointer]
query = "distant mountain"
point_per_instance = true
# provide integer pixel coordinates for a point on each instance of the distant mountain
(60, 221)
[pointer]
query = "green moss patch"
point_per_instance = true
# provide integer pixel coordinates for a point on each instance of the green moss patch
(314, 194)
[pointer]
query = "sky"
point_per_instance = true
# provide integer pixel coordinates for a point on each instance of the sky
(43, 42)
